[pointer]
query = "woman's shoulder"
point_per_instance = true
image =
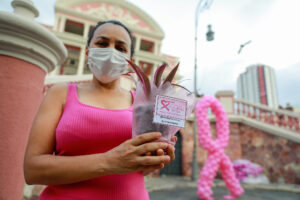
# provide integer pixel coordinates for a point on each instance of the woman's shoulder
(58, 92)
(58, 88)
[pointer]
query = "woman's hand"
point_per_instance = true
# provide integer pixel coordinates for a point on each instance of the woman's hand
(132, 155)
(160, 152)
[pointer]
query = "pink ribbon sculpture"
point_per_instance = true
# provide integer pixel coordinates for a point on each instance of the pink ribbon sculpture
(217, 159)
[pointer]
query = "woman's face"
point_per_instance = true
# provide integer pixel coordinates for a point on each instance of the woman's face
(112, 36)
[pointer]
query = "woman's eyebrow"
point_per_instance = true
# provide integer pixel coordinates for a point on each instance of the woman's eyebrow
(122, 42)
(102, 37)
(118, 41)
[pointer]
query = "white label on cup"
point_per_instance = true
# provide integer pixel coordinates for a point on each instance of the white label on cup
(170, 111)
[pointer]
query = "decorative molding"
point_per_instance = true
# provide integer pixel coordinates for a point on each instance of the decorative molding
(112, 11)
(66, 7)
(25, 39)
(71, 38)
(149, 56)
(25, 8)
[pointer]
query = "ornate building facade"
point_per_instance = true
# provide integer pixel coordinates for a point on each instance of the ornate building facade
(75, 19)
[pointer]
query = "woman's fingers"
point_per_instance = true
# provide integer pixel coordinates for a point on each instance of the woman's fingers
(160, 152)
(148, 154)
(144, 138)
(171, 153)
(174, 139)
(151, 147)
(153, 160)
(149, 169)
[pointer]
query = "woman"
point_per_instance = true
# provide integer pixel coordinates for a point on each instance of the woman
(80, 143)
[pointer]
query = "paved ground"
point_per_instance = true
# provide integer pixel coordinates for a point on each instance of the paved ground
(189, 193)
(180, 188)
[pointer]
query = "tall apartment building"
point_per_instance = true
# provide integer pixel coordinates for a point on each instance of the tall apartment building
(258, 85)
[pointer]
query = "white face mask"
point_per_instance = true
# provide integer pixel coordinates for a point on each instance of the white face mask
(107, 64)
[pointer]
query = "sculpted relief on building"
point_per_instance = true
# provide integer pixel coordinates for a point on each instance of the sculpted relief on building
(107, 11)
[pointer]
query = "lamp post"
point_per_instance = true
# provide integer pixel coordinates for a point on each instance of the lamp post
(201, 6)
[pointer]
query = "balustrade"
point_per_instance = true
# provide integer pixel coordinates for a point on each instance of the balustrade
(281, 118)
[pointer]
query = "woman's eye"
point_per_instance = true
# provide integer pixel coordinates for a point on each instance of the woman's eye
(101, 44)
(122, 49)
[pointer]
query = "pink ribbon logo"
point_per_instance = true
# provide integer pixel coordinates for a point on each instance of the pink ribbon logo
(217, 159)
(165, 104)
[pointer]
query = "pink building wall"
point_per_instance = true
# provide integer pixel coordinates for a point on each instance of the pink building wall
(21, 92)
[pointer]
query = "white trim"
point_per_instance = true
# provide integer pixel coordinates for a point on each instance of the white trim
(25, 39)
(64, 7)
(25, 8)
(67, 78)
(149, 56)
(71, 39)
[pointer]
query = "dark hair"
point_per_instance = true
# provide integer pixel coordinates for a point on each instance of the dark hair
(91, 34)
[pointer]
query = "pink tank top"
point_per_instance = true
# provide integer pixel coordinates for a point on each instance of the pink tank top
(85, 129)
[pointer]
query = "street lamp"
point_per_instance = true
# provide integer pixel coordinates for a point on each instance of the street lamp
(210, 35)
(202, 5)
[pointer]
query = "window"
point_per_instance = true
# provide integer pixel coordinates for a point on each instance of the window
(71, 64)
(147, 67)
(147, 46)
(74, 27)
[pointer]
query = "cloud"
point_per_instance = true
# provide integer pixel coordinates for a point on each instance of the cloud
(288, 84)
(45, 8)
(6, 6)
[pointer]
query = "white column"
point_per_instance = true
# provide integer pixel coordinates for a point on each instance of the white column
(154, 67)
(81, 61)
(136, 61)
(158, 45)
(62, 24)
(86, 30)
(137, 43)
(155, 48)
(56, 22)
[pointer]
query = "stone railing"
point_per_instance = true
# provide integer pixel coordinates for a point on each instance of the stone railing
(126, 82)
(51, 80)
(276, 117)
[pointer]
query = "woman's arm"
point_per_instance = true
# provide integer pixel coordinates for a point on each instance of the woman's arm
(41, 166)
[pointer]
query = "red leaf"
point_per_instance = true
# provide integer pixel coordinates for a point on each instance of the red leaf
(182, 87)
(171, 75)
(158, 73)
(142, 77)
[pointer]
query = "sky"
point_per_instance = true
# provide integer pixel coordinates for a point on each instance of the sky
(271, 25)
